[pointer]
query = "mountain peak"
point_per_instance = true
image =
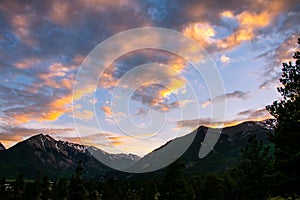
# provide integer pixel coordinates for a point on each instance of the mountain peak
(2, 147)
(42, 136)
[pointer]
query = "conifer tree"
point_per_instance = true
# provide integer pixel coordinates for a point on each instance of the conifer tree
(287, 133)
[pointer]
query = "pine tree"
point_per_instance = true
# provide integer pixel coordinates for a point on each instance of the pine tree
(77, 190)
(19, 185)
(287, 133)
(61, 189)
(45, 189)
(253, 170)
(37, 185)
(174, 185)
(3, 193)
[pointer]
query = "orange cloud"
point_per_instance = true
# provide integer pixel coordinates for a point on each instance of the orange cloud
(205, 104)
(225, 59)
(227, 14)
(253, 20)
(203, 33)
(116, 143)
(107, 110)
(248, 23)
(48, 112)
(57, 77)
(248, 115)
(172, 87)
(115, 138)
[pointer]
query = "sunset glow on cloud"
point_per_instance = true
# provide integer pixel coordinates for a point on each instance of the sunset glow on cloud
(44, 43)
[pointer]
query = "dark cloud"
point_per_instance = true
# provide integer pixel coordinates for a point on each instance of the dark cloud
(150, 97)
(247, 115)
(231, 95)
(235, 94)
(255, 114)
(14, 132)
(98, 139)
(274, 59)
(286, 31)
(205, 122)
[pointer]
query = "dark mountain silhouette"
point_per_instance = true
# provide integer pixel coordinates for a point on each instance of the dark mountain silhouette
(43, 154)
(224, 154)
(2, 147)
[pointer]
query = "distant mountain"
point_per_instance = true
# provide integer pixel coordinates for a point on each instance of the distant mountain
(117, 161)
(224, 154)
(54, 158)
(2, 147)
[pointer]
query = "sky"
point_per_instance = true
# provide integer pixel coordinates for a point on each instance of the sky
(44, 46)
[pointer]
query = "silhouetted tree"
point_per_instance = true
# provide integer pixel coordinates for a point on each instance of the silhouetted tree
(36, 191)
(287, 133)
(213, 187)
(61, 189)
(19, 186)
(45, 189)
(253, 170)
(77, 190)
(113, 190)
(3, 193)
(174, 185)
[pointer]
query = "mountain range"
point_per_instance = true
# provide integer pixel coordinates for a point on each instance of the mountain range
(224, 154)
(41, 154)
(55, 158)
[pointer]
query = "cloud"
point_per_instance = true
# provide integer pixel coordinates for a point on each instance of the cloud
(205, 122)
(205, 103)
(275, 57)
(12, 132)
(231, 95)
(100, 140)
(28, 63)
(117, 143)
(247, 115)
(141, 111)
(49, 111)
(203, 33)
(47, 98)
(156, 83)
(235, 94)
(84, 114)
(228, 14)
(258, 114)
(248, 23)
(225, 59)
(21, 25)
(60, 12)
(107, 110)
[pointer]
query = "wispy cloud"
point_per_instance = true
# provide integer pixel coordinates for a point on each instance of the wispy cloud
(247, 115)
(231, 95)
(255, 114)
